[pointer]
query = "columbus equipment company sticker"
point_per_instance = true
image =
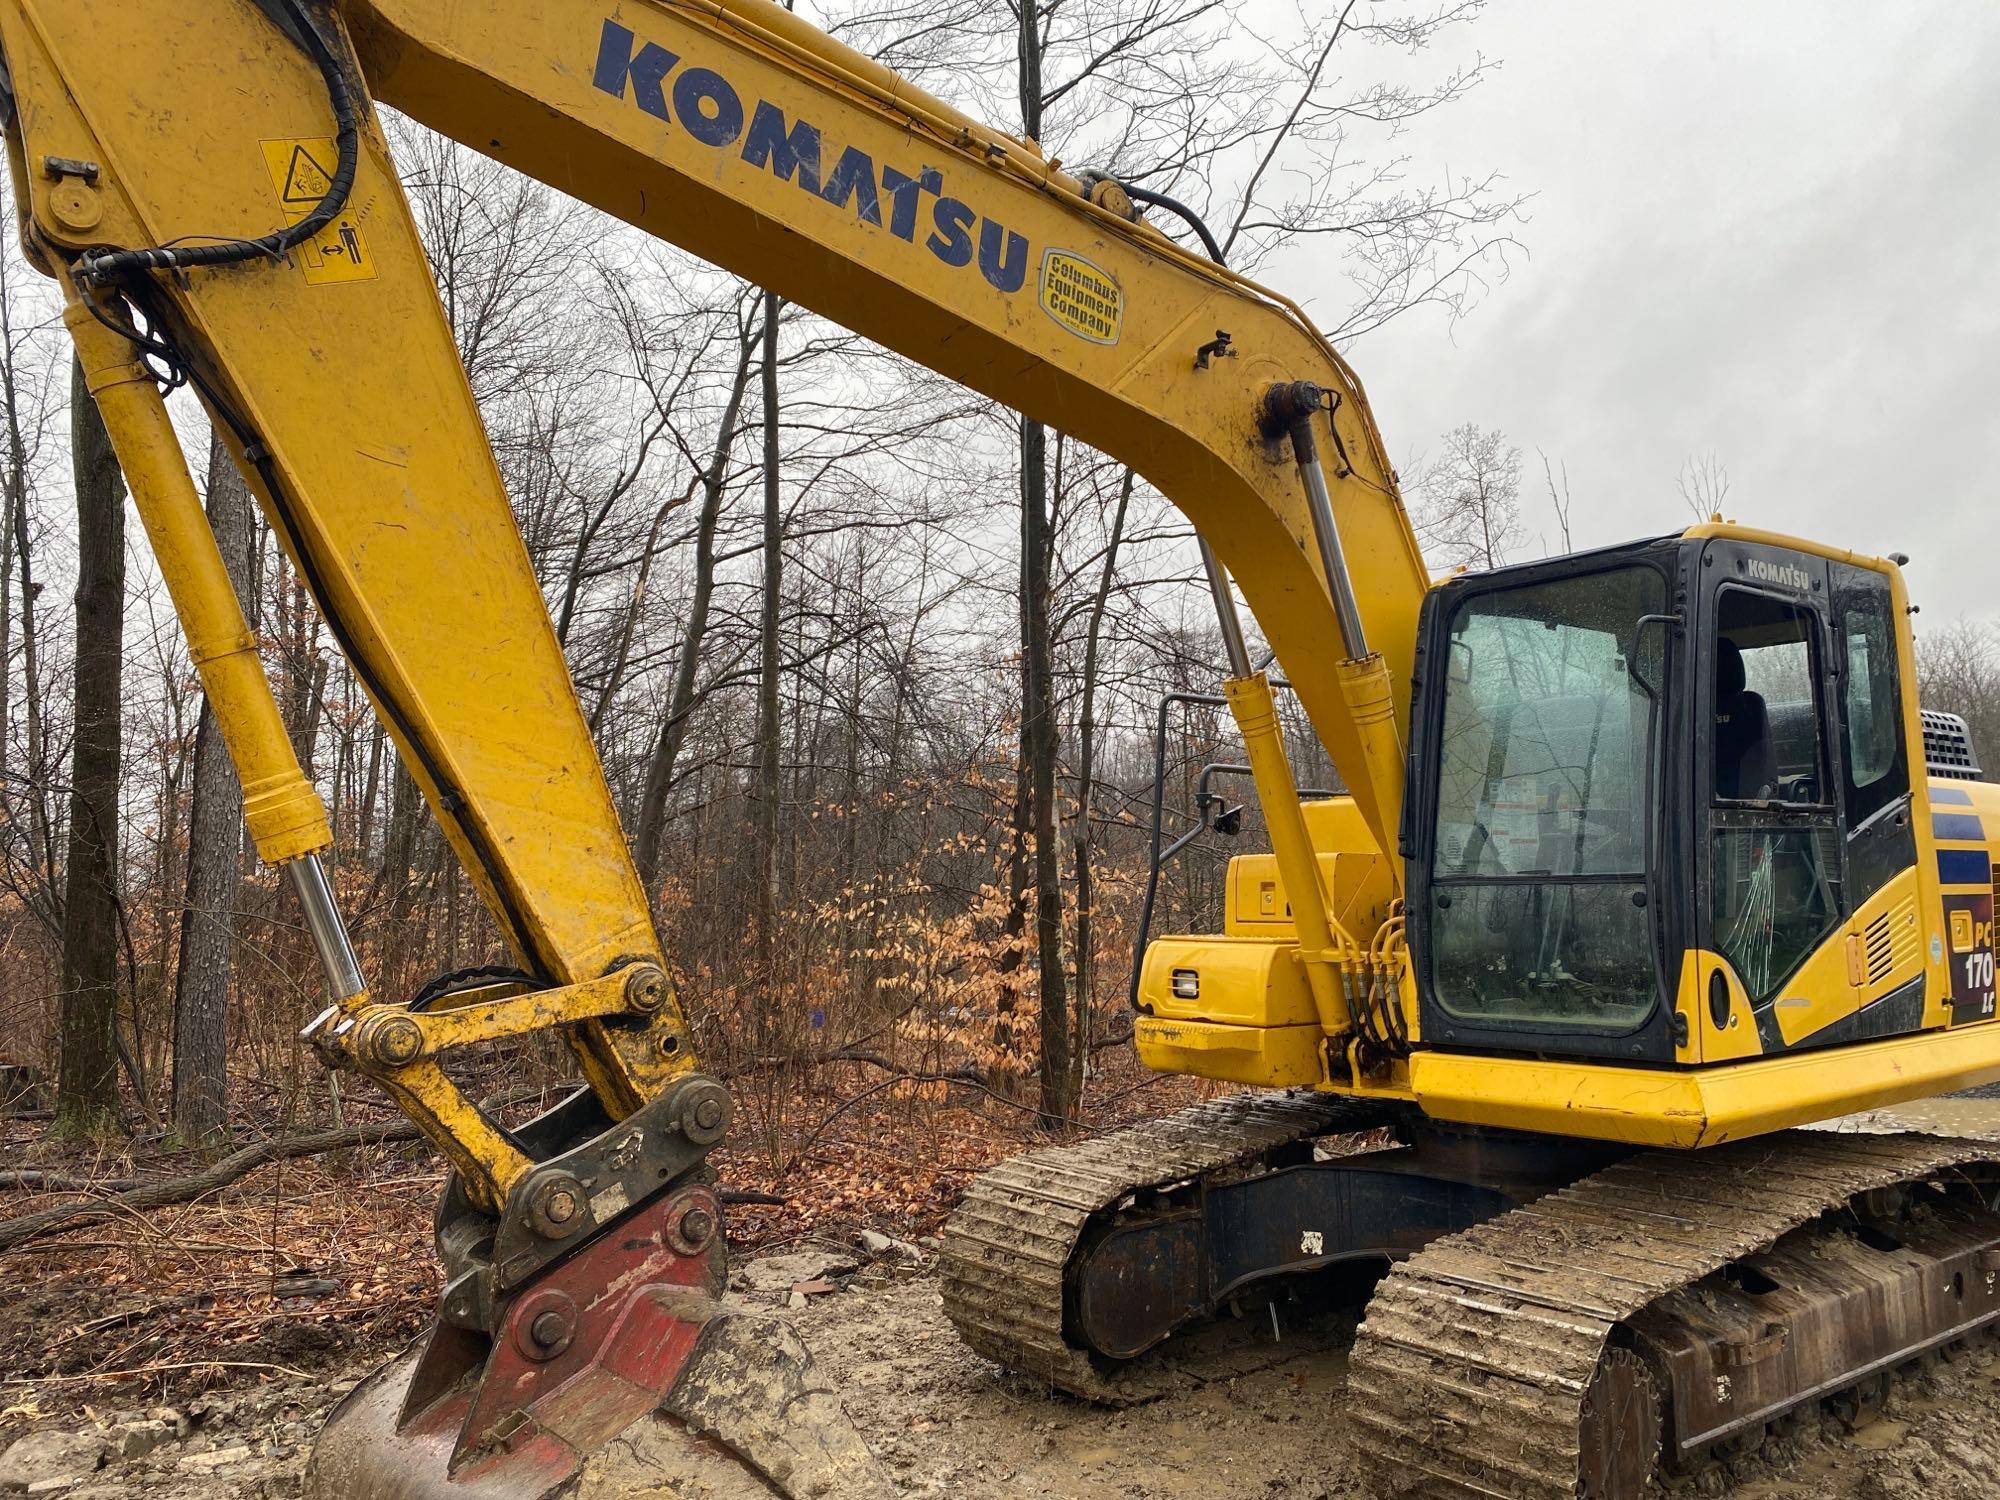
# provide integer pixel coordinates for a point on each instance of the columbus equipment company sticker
(1082, 298)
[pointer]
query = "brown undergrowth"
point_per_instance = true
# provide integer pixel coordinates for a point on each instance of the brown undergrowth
(310, 1266)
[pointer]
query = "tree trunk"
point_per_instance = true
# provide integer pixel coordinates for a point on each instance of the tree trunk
(16, 499)
(1039, 739)
(215, 816)
(1086, 756)
(767, 655)
(673, 729)
(39, 853)
(399, 846)
(87, 1082)
(1038, 750)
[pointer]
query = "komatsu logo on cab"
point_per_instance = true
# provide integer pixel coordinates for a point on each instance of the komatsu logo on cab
(1784, 575)
(710, 110)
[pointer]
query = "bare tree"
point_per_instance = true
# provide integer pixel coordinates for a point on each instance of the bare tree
(214, 865)
(673, 729)
(769, 664)
(1703, 485)
(1466, 500)
(87, 1084)
(1958, 671)
(1559, 499)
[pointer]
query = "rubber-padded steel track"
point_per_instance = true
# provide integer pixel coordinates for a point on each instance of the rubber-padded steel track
(1006, 1248)
(1468, 1376)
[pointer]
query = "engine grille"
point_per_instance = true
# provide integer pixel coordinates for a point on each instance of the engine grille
(1948, 751)
(1890, 942)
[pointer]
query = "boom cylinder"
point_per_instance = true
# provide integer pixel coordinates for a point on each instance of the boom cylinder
(1292, 406)
(1226, 617)
(1256, 713)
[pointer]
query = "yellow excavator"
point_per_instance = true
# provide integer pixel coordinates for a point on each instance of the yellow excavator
(1645, 855)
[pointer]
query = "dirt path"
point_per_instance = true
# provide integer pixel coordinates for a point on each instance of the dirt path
(1249, 1418)
(1265, 1424)
(1248, 1415)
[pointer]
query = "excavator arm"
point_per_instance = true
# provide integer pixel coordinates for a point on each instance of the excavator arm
(209, 182)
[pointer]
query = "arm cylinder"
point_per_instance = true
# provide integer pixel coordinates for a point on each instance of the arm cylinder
(285, 814)
(287, 820)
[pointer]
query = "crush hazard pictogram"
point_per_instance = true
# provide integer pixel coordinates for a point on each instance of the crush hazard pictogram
(306, 181)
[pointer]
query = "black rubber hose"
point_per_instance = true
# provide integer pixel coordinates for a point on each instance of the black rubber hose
(113, 266)
(1176, 207)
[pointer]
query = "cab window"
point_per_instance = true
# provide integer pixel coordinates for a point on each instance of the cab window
(1775, 850)
(1767, 708)
(1871, 689)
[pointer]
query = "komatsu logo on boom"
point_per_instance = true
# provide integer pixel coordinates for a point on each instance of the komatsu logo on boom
(711, 111)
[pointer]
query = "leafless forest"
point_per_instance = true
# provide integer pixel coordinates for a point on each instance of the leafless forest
(873, 666)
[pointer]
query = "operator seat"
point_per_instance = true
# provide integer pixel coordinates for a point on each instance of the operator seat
(1746, 764)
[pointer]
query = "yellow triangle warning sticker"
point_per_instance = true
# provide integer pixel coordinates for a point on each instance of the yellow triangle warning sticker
(302, 172)
(306, 181)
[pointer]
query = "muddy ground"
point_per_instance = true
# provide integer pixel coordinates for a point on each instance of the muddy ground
(1248, 1415)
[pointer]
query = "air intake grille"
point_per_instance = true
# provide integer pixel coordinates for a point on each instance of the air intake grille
(1948, 751)
(1890, 941)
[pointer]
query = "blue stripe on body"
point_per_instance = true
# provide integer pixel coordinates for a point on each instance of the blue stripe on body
(1961, 826)
(1951, 796)
(1964, 867)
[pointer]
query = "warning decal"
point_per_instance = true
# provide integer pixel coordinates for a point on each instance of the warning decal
(306, 181)
(1082, 298)
(302, 172)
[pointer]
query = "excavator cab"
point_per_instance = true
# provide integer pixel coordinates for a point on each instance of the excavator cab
(1681, 760)
(1676, 841)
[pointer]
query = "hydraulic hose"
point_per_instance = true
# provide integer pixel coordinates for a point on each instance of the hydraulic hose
(110, 267)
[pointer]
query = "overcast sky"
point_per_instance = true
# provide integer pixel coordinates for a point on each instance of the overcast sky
(1770, 231)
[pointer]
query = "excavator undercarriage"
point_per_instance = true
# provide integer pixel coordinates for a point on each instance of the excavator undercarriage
(1556, 1318)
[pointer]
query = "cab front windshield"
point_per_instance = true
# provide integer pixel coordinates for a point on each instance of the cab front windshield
(1543, 805)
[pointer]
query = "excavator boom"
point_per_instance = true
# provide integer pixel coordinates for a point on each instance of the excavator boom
(1676, 868)
(210, 184)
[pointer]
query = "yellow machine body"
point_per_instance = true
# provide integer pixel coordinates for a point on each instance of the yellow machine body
(740, 132)
(1232, 1007)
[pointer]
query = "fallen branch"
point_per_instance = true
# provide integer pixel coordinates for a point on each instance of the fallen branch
(960, 1078)
(18, 1231)
(35, 1181)
(93, 1376)
(133, 1198)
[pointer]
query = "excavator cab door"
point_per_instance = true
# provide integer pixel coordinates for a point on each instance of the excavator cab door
(1806, 900)
(1550, 741)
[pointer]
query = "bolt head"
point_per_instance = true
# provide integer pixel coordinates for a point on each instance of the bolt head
(396, 1040)
(697, 1226)
(704, 1112)
(548, 1328)
(561, 1206)
(646, 989)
